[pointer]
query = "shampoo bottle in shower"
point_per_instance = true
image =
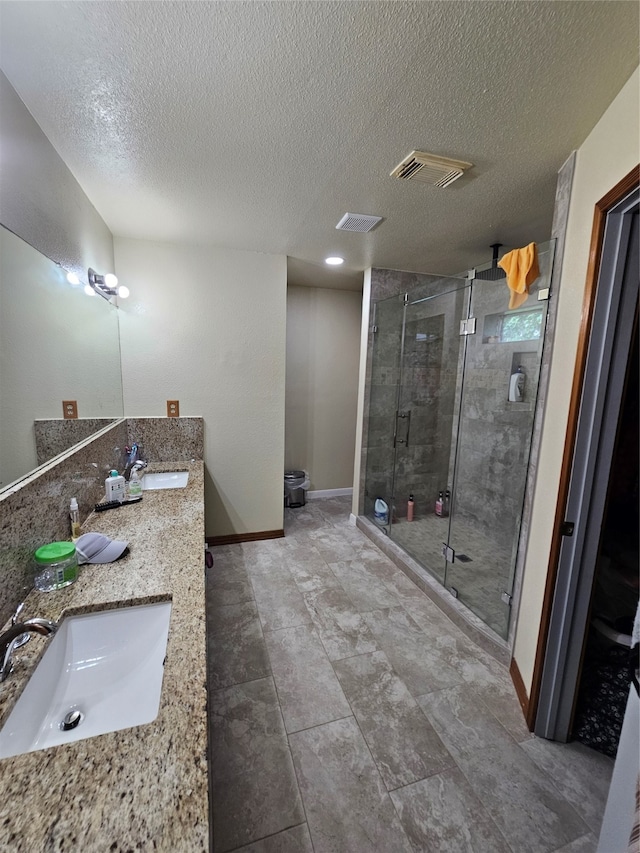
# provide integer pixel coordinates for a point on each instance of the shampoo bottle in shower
(410, 508)
(516, 386)
(439, 504)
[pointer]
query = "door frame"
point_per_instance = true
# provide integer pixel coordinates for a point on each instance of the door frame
(551, 679)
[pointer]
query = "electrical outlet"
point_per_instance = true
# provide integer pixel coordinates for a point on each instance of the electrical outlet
(69, 409)
(173, 408)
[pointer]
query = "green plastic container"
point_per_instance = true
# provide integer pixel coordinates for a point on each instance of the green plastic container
(56, 566)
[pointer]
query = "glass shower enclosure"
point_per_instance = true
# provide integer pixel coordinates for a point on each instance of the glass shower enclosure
(454, 379)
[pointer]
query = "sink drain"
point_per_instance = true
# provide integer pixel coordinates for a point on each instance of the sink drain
(71, 720)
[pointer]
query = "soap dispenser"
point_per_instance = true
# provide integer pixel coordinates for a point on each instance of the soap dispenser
(135, 485)
(114, 487)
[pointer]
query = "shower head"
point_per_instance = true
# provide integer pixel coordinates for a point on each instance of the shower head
(494, 273)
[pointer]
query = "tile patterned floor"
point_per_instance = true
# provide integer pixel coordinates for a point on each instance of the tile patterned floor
(349, 715)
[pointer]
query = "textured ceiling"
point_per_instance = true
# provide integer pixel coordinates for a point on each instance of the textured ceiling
(257, 125)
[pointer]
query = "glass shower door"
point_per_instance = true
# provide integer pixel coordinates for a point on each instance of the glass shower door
(501, 376)
(383, 401)
(424, 435)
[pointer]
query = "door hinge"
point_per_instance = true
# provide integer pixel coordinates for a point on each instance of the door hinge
(453, 591)
(567, 528)
(448, 553)
(468, 327)
(544, 294)
(506, 598)
(374, 329)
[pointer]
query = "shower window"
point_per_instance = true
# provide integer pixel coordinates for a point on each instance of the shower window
(513, 326)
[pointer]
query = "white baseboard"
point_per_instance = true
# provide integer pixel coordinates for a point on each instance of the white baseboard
(352, 519)
(329, 493)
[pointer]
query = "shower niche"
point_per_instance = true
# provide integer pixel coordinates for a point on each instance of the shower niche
(441, 419)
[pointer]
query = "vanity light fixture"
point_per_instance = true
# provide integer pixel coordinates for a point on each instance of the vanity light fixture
(105, 285)
(334, 261)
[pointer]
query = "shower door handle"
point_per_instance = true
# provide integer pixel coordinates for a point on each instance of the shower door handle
(402, 416)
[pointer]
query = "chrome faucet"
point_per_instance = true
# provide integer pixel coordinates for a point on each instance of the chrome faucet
(13, 635)
(133, 460)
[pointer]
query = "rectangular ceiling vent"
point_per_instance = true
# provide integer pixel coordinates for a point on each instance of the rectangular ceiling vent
(358, 222)
(430, 169)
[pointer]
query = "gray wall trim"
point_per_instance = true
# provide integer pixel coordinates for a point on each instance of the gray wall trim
(558, 232)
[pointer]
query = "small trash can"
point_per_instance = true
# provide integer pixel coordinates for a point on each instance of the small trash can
(296, 484)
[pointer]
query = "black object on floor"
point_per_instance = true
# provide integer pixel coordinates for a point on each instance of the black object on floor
(604, 690)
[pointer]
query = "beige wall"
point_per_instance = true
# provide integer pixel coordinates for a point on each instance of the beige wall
(206, 326)
(608, 154)
(323, 347)
(49, 333)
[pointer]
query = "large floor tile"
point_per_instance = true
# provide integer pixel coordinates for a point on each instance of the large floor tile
(442, 815)
(366, 591)
(332, 545)
(528, 809)
(585, 844)
(254, 791)
(462, 720)
(402, 741)
(502, 701)
(348, 808)
(582, 775)
(410, 651)
(228, 583)
(307, 566)
(280, 602)
(308, 688)
(294, 840)
(341, 628)
(236, 651)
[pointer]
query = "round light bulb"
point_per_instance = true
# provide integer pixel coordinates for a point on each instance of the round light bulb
(123, 291)
(89, 290)
(334, 261)
(111, 280)
(72, 278)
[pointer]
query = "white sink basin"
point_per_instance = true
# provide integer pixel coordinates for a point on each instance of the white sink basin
(166, 480)
(107, 665)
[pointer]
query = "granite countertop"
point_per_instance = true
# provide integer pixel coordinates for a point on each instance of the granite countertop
(143, 788)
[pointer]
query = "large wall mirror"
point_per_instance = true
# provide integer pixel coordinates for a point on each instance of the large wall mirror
(56, 343)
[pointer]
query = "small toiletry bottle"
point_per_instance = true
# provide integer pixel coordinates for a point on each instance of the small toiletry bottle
(410, 508)
(439, 504)
(114, 487)
(135, 485)
(74, 515)
(445, 505)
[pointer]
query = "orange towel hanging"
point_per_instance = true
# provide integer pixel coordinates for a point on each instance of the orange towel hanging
(521, 267)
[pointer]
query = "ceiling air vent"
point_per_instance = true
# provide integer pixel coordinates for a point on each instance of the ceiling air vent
(358, 222)
(430, 169)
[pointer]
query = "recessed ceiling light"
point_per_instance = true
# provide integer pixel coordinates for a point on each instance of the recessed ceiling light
(334, 261)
